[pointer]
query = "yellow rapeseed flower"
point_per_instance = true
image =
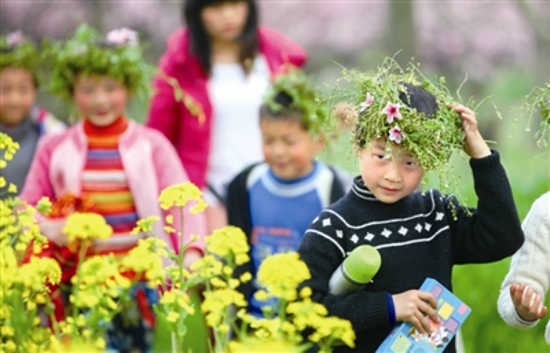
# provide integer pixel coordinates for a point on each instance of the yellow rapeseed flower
(44, 206)
(145, 225)
(12, 188)
(282, 273)
(251, 345)
(173, 316)
(180, 195)
(228, 241)
(86, 226)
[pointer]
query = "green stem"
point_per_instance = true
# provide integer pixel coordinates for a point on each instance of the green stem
(76, 288)
(181, 251)
(174, 342)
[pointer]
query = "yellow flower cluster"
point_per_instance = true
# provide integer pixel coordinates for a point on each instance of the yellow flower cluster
(86, 226)
(98, 283)
(217, 302)
(145, 225)
(253, 345)
(9, 147)
(230, 243)
(282, 273)
(24, 286)
(180, 195)
(174, 300)
(307, 313)
(19, 228)
(146, 259)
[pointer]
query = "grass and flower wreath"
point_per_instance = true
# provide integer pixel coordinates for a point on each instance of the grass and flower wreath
(304, 100)
(374, 99)
(118, 56)
(18, 51)
(538, 100)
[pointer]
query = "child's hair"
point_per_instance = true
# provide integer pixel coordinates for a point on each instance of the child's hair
(287, 110)
(19, 52)
(420, 99)
(201, 45)
(292, 97)
(118, 56)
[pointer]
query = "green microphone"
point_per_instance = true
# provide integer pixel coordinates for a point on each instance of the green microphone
(355, 271)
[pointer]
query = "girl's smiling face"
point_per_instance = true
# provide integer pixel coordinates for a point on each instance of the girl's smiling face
(17, 94)
(100, 99)
(389, 178)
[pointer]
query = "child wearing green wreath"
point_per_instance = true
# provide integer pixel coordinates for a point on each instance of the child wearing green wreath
(405, 127)
(274, 201)
(527, 284)
(20, 117)
(119, 165)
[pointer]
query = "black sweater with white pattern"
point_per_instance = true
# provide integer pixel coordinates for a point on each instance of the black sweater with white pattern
(422, 235)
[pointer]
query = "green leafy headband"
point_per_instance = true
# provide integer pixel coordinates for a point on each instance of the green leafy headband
(118, 56)
(539, 99)
(17, 51)
(305, 99)
(381, 113)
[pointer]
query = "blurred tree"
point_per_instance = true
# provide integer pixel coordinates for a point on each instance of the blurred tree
(401, 31)
(539, 19)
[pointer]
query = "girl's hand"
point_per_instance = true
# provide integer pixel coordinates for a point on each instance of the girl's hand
(474, 145)
(413, 306)
(53, 230)
(528, 304)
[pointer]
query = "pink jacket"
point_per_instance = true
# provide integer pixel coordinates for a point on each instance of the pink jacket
(181, 108)
(149, 161)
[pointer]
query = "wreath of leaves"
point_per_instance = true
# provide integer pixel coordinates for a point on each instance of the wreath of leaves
(88, 53)
(432, 140)
(305, 100)
(538, 100)
(23, 55)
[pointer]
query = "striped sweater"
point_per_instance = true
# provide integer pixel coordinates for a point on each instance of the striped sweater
(105, 182)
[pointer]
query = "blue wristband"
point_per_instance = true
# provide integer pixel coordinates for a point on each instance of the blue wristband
(391, 309)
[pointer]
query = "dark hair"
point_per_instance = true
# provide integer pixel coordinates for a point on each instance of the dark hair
(288, 111)
(419, 99)
(200, 43)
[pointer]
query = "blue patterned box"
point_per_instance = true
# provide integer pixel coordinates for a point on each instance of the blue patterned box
(452, 312)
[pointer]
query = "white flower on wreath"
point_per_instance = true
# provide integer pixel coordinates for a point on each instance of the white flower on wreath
(15, 38)
(123, 36)
(396, 134)
(368, 101)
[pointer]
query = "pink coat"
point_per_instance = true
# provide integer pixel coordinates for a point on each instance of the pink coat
(181, 108)
(149, 161)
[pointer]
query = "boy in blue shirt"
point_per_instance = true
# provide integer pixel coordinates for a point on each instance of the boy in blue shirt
(274, 201)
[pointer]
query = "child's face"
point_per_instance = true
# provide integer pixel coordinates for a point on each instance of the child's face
(288, 148)
(100, 99)
(225, 20)
(17, 95)
(389, 179)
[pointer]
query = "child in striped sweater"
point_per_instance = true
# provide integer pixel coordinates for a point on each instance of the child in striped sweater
(119, 165)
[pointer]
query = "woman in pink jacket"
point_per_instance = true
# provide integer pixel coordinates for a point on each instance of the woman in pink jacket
(210, 85)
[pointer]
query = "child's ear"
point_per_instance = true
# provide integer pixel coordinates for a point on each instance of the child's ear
(320, 143)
